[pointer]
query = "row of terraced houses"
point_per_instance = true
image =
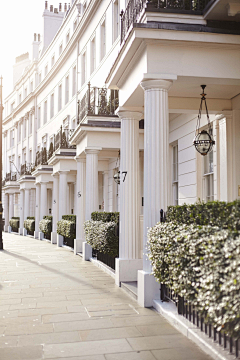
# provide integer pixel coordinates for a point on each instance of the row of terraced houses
(112, 91)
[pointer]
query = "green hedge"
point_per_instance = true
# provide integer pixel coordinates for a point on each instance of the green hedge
(30, 217)
(105, 216)
(66, 228)
(215, 213)
(29, 224)
(14, 223)
(45, 225)
(47, 217)
(69, 217)
(196, 253)
(102, 236)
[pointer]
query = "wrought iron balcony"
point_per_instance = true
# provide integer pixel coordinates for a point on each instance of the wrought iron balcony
(27, 169)
(98, 102)
(11, 176)
(135, 7)
(61, 141)
(41, 157)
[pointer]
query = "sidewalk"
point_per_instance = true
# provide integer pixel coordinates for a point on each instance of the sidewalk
(53, 305)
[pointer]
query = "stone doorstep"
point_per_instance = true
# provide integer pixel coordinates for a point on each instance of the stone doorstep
(130, 288)
(169, 312)
(103, 267)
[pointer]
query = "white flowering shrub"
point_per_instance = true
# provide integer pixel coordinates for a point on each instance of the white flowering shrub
(202, 264)
(102, 236)
(67, 228)
(29, 224)
(45, 226)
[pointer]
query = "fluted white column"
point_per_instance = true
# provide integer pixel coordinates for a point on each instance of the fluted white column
(26, 203)
(128, 263)
(80, 202)
(43, 200)
(11, 206)
(105, 190)
(37, 211)
(156, 164)
(63, 186)
(129, 195)
(21, 211)
(55, 200)
(91, 181)
(6, 212)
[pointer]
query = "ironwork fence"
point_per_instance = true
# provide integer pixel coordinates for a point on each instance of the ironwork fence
(41, 157)
(62, 139)
(98, 102)
(27, 169)
(11, 176)
(135, 7)
(106, 259)
(190, 312)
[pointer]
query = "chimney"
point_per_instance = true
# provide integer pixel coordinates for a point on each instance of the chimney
(51, 8)
(55, 10)
(35, 37)
(60, 7)
(52, 20)
(65, 7)
(46, 5)
(22, 62)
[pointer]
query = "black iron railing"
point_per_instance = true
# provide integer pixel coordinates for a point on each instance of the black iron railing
(61, 139)
(27, 169)
(190, 312)
(135, 7)
(11, 176)
(98, 101)
(41, 157)
(106, 259)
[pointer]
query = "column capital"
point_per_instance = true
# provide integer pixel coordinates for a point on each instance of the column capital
(92, 150)
(128, 114)
(80, 159)
(55, 175)
(156, 84)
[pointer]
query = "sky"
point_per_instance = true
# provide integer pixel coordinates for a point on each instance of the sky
(19, 20)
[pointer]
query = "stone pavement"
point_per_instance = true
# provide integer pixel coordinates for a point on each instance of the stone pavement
(53, 305)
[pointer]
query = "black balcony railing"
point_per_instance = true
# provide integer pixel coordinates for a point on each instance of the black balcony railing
(11, 176)
(98, 102)
(41, 157)
(61, 140)
(27, 169)
(135, 7)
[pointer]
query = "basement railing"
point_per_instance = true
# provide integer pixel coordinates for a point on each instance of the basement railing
(98, 102)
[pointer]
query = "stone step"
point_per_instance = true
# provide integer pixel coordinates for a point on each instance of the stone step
(130, 288)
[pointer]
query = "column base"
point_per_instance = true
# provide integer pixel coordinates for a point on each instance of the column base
(127, 270)
(40, 235)
(6, 228)
(78, 246)
(59, 240)
(20, 231)
(9, 229)
(36, 234)
(86, 251)
(53, 237)
(148, 289)
(24, 232)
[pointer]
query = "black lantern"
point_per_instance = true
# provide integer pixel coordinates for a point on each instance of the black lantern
(203, 140)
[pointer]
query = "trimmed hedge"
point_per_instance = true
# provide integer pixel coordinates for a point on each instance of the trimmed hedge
(67, 229)
(14, 223)
(45, 225)
(105, 216)
(102, 236)
(214, 213)
(69, 218)
(196, 253)
(29, 224)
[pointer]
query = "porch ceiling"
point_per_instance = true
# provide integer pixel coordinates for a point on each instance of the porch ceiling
(186, 87)
(223, 10)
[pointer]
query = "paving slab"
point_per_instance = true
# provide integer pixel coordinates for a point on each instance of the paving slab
(55, 306)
